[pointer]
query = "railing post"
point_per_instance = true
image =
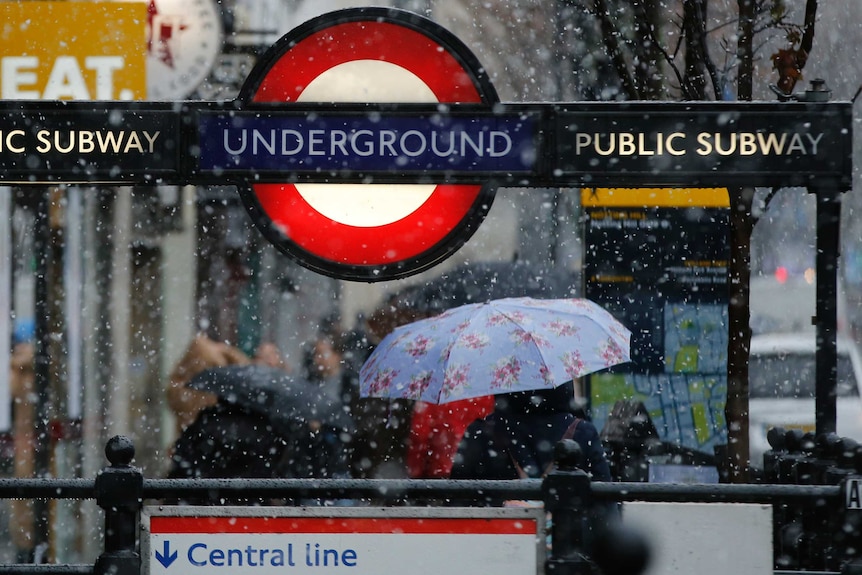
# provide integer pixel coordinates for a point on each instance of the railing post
(119, 491)
(568, 497)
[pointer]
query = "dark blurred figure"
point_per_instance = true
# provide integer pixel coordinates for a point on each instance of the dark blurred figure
(205, 353)
(22, 381)
(382, 425)
(322, 447)
(630, 437)
(227, 441)
(517, 440)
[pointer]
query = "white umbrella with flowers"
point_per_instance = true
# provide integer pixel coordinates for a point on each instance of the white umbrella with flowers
(501, 346)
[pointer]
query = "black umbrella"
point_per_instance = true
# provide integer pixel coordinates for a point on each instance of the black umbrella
(484, 281)
(288, 402)
(227, 441)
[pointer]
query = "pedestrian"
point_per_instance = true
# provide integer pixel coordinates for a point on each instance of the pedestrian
(517, 440)
(321, 445)
(205, 353)
(216, 439)
(435, 432)
(227, 441)
(22, 390)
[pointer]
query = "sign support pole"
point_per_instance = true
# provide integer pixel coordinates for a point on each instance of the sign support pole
(826, 320)
(42, 361)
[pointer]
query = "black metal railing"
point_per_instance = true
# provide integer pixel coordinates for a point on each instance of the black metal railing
(572, 499)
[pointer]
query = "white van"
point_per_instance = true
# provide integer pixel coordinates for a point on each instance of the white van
(782, 384)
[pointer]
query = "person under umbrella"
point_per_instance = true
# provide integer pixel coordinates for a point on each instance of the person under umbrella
(435, 432)
(517, 440)
(262, 425)
(500, 347)
(204, 353)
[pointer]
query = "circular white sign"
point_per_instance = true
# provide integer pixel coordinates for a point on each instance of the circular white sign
(184, 38)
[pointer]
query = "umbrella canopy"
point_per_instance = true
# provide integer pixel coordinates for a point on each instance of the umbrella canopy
(227, 441)
(272, 392)
(502, 346)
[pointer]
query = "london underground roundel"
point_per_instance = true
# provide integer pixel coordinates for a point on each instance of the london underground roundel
(368, 232)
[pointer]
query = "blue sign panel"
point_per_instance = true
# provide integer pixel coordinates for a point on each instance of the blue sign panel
(366, 143)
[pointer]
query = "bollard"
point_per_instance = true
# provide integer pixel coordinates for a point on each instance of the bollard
(119, 491)
(788, 523)
(817, 543)
(776, 438)
(567, 496)
(844, 527)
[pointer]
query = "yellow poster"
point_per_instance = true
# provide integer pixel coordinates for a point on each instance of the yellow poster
(655, 197)
(73, 50)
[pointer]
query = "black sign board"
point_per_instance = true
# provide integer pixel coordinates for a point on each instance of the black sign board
(110, 142)
(703, 144)
(643, 144)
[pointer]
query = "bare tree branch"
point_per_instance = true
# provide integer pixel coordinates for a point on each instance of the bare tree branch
(610, 36)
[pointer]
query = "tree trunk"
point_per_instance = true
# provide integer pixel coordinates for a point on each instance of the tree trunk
(745, 51)
(739, 334)
(739, 275)
(693, 22)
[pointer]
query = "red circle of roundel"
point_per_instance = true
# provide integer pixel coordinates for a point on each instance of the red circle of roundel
(440, 220)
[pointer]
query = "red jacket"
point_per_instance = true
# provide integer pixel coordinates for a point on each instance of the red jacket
(435, 432)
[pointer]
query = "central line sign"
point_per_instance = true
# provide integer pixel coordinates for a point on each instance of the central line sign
(356, 540)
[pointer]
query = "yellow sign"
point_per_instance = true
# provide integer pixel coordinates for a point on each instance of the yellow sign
(73, 50)
(655, 197)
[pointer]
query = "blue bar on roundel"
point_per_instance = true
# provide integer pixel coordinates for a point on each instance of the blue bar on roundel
(367, 143)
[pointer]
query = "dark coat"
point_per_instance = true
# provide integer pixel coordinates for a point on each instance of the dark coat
(226, 441)
(492, 446)
(522, 432)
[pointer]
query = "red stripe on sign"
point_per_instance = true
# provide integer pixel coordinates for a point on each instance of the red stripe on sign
(461, 526)
(378, 245)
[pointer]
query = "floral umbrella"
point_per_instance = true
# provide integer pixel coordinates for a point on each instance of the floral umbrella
(501, 346)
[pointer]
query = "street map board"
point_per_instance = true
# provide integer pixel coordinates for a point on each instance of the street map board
(341, 540)
(657, 259)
